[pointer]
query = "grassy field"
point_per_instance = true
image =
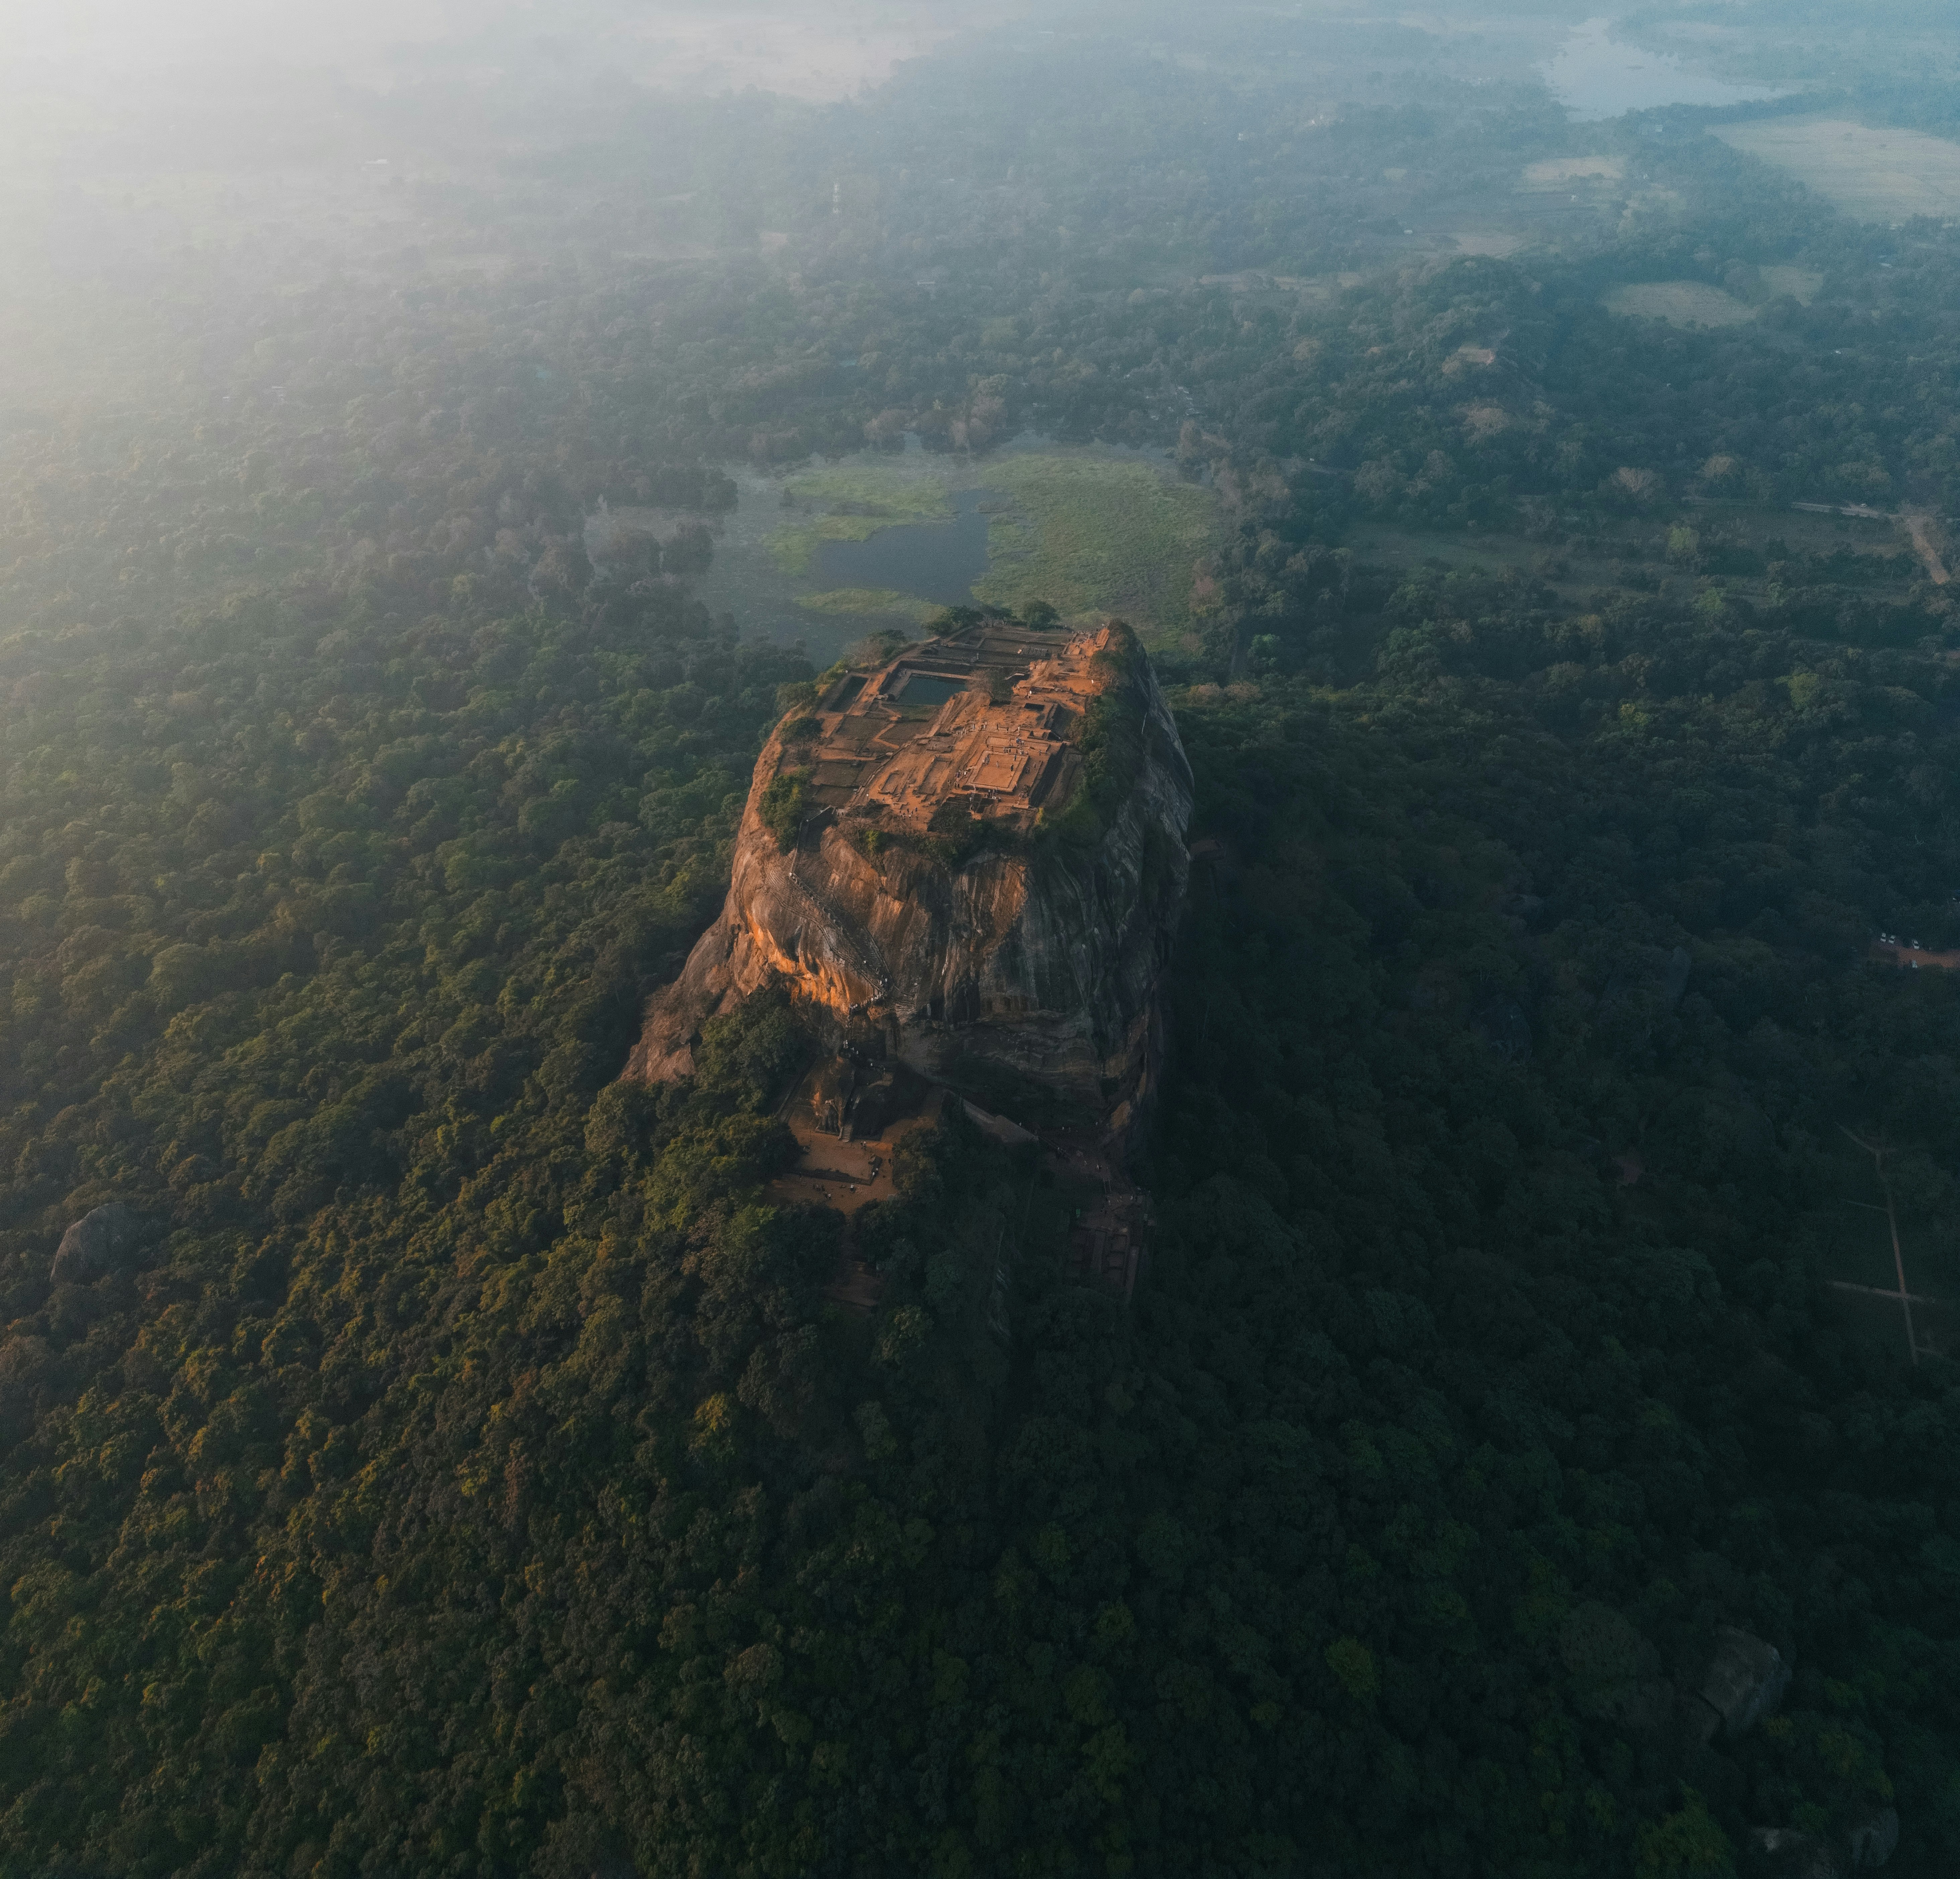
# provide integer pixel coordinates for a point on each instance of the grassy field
(1629, 552)
(1881, 174)
(854, 502)
(870, 600)
(1555, 170)
(1801, 284)
(1087, 534)
(1090, 534)
(1680, 303)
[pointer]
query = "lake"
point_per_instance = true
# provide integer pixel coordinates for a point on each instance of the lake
(1595, 75)
(938, 562)
(827, 551)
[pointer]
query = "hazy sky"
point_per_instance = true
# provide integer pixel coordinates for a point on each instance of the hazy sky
(117, 32)
(78, 43)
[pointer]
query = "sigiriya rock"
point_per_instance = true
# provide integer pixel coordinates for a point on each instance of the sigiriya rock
(969, 862)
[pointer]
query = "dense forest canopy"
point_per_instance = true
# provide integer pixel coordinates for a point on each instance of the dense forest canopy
(445, 1456)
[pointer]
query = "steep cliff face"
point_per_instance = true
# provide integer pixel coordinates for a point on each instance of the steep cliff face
(972, 860)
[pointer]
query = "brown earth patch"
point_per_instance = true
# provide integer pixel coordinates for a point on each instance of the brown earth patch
(1911, 958)
(1925, 532)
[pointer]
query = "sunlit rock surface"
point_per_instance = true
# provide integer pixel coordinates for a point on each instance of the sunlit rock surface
(104, 1240)
(970, 859)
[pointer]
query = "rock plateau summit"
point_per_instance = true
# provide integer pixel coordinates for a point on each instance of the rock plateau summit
(969, 861)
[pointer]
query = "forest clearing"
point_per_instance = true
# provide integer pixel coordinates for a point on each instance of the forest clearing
(1884, 174)
(1118, 535)
(1083, 530)
(1680, 303)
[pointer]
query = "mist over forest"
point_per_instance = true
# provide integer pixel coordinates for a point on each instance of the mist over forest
(1456, 511)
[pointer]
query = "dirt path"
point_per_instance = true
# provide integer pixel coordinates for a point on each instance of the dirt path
(846, 1176)
(1111, 1215)
(1914, 957)
(1923, 529)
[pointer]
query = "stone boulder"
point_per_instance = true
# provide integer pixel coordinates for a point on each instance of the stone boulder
(105, 1240)
(1790, 1855)
(1874, 1838)
(856, 1100)
(1745, 1681)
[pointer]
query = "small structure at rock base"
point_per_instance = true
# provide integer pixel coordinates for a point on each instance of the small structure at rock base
(104, 1240)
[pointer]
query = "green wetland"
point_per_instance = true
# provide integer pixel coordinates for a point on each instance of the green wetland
(827, 552)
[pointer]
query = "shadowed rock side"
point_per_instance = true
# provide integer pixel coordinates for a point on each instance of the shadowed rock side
(972, 860)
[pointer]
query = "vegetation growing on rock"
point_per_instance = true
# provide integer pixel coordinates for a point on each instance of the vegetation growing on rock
(781, 805)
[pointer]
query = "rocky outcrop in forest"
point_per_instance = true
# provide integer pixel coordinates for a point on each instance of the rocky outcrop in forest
(107, 1239)
(971, 860)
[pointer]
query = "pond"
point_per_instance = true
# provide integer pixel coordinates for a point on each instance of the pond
(938, 562)
(929, 690)
(1595, 75)
(823, 553)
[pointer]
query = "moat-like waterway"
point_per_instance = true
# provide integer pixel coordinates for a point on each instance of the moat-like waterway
(1595, 75)
(938, 562)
